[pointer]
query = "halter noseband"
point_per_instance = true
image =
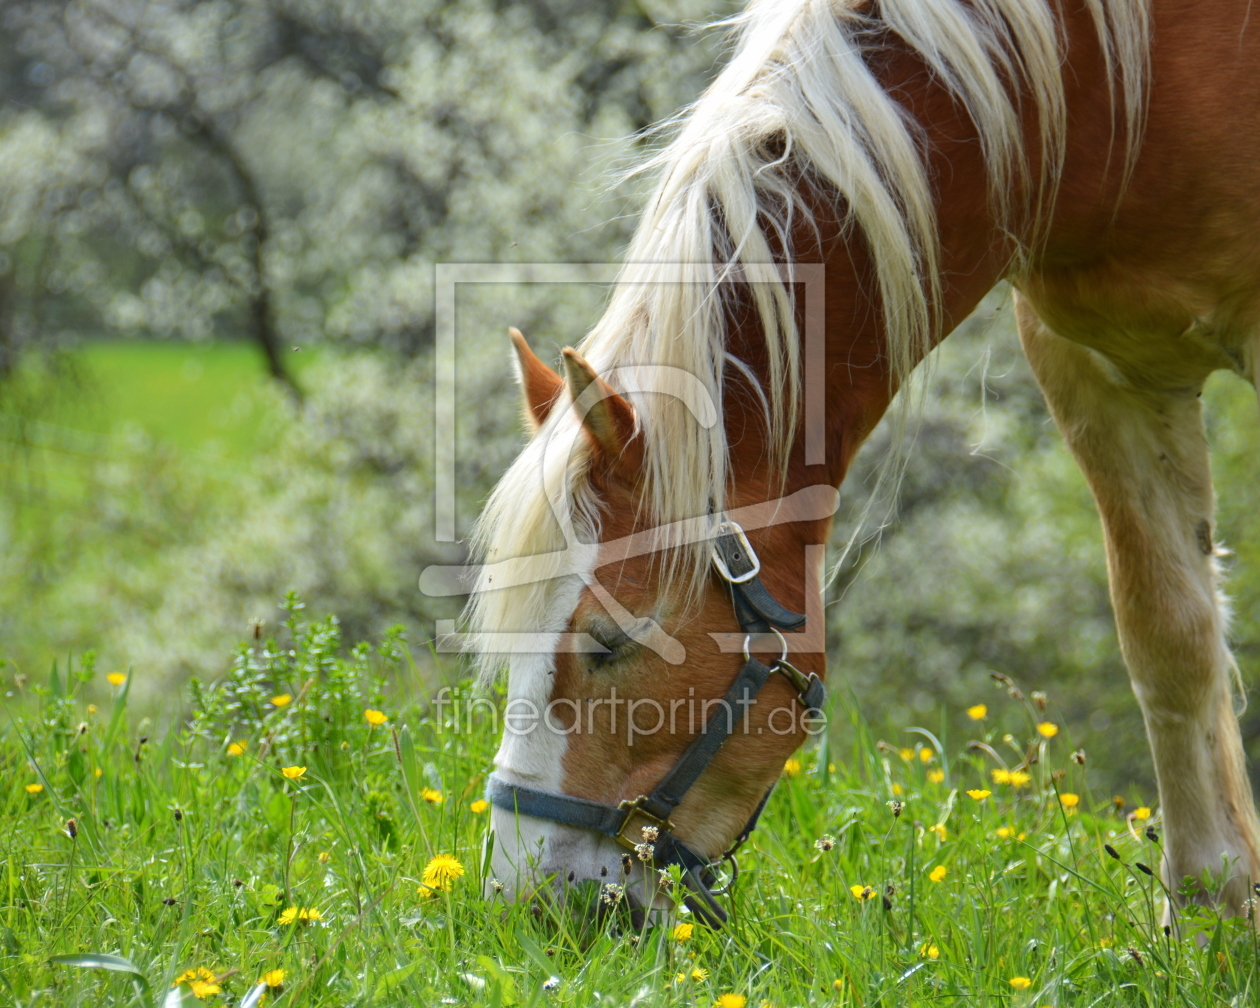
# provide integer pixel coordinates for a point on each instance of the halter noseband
(642, 825)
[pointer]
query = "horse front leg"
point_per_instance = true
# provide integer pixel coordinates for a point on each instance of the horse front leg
(1144, 453)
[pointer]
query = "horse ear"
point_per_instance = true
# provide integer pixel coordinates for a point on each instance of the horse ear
(540, 386)
(607, 416)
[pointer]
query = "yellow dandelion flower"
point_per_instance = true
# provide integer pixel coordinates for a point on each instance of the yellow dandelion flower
(1000, 776)
(979, 794)
(1048, 729)
(99, 772)
(906, 754)
(936, 776)
(831, 768)
(431, 796)
(1141, 813)
(1019, 778)
(303, 914)
(792, 768)
(838, 984)
(978, 713)
(237, 748)
(939, 830)
(324, 857)
(861, 892)
(91, 708)
(926, 754)
(479, 806)
(441, 871)
(293, 772)
(938, 873)
(200, 981)
(897, 789)
(929, 951)
(281, 700)
(1069, 800)
(34, 788)
(730, 1001)
(273, 978)
(682, 932)
(375, 717)
(116, 678)
(1005, 831)
(1020, 983)
(699, 973)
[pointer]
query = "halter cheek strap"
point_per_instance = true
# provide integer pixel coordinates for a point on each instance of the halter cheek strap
(642, 825)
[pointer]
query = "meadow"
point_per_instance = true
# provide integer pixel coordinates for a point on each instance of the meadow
(305, 832)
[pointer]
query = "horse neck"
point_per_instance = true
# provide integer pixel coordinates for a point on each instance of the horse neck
(856, 385)
(975, 253)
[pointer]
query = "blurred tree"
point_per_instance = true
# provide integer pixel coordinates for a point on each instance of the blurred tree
(291, 169)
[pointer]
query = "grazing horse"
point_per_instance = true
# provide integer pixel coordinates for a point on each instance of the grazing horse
(848, 189)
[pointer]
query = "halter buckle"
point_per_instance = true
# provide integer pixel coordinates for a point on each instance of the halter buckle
(809, 688)
(730, 528)
(637, 818)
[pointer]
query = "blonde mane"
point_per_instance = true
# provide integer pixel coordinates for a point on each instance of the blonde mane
(797, 101)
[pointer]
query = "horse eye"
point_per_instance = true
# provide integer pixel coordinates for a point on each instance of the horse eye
(616, 640)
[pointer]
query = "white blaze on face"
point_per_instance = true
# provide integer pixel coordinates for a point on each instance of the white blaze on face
(527, 850)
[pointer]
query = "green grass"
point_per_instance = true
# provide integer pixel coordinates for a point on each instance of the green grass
(187, 857)
(211, 405)
(112, 456)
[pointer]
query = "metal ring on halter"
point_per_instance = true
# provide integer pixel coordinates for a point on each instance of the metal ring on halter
(729, 856)
(782, 641)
